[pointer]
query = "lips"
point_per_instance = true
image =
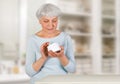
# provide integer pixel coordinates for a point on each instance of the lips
(50, 28)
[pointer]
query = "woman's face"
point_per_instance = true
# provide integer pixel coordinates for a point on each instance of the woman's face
(49, 24)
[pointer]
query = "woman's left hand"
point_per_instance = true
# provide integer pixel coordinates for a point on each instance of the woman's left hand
(57, 54)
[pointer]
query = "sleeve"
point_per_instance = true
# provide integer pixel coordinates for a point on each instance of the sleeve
(30, 58)
(71, 66)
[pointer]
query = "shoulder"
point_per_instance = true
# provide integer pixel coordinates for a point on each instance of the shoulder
(66, 35)
(31, 39)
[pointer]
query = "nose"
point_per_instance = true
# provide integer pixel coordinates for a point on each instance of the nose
(51, 24)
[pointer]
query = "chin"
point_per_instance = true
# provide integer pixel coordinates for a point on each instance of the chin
(51, 30)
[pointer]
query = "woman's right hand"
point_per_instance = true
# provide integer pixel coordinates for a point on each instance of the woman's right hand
(43, 50)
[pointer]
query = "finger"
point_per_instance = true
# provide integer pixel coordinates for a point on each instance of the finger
(49, 54)
(46, 44)
(43, 46)
(52, 53)
(62, 48)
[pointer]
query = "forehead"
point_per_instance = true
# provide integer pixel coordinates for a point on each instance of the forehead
(49, 17)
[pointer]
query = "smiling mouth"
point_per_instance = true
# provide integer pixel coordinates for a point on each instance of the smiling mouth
(50, 28)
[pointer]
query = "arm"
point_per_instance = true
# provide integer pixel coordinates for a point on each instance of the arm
(40, 62)
(64, 60)
(33, 66)
(30, 58)
(71, 66)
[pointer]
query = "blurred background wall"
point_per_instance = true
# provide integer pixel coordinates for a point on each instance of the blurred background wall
(94, 26)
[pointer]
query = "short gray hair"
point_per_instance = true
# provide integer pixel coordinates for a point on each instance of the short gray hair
(48, 10)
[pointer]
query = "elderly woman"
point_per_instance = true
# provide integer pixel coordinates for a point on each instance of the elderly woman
(39, 61)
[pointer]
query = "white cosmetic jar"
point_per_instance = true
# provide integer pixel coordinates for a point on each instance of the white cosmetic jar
(54, 47)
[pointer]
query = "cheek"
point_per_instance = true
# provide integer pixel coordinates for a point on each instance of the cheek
(44, 24)
(55, 24)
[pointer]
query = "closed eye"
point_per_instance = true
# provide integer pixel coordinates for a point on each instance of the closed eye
(46, 21)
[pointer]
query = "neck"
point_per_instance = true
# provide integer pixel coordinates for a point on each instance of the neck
(48, 34)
